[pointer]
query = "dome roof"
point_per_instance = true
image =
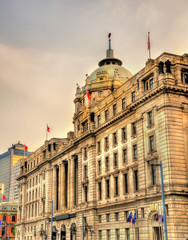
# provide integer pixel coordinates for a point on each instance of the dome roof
(111, 66)
(111, 69)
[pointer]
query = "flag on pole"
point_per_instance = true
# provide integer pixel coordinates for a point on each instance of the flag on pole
(88, 95)
(3, 197)
(157, 217)
(134, 218)
(48, 128)
(129, 219)
(25, 148)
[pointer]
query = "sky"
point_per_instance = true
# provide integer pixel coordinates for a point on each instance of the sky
(47, 47)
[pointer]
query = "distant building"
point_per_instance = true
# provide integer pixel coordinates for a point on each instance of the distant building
(105, 171)
(7, 162)
(8, 219)
(13, 195)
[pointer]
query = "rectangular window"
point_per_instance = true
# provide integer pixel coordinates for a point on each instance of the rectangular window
(108, 234)
(126, 215)
(124, 155)
(135, 152)
(85, 191)
(115, 159)
(133, 96)
(133, 129)
(136, 179)
(153, 173)
(108, 188)
(85, 126)
(107, 163)
(108, 217)
(151, 143)
(106, 143)
(117, 216)
(150, 118)
(151, 83)
(125, 183)
(98, 147)
(99, 166)
(85, 171)
(116, 186)
(127, 232)
(106, 115)
(100, 234)
(100, 218)
(85, 153)
(123, 134)
(115, 138)
(146, 86)
(99, 120)
(100, 190)
(123, 104)
(114, 109)
(137, 233)
(117, 234)
(142, 212)
(166, 209)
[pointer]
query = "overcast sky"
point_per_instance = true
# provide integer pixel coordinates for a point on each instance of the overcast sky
(46, 47)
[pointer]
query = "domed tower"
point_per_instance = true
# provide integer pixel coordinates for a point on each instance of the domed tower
(101, 82)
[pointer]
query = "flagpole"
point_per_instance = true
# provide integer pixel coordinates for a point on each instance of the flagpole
(46, 132)
(149, 45)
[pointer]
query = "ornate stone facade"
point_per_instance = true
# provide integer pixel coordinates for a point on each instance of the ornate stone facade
(105, 170)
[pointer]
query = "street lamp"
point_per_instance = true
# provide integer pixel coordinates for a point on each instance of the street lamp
(163, 197)
(91, 231)
(51, 218)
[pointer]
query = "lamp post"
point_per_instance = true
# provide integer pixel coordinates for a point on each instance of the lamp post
(91, 231)
(51, 218)
(163, 198)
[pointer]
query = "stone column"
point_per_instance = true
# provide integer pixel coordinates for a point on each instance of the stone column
(54, 191)
(79, 184)
(63, 185)
(69, 184)
(72, 182)
(60, 186)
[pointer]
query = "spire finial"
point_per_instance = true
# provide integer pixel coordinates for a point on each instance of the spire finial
(109, 36)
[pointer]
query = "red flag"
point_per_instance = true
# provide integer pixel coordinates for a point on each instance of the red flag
(3, 197)
(88, 95)
(48, 129)
(148, 40)
(109, 35)
(26, 147)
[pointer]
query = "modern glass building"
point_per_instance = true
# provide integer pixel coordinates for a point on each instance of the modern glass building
(9, 165)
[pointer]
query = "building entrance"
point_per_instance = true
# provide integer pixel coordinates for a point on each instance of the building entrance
(157, 233)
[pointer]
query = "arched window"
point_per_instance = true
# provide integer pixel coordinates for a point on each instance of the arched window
(4, 218)
(161, 68)
(13, 219)
(168, 66)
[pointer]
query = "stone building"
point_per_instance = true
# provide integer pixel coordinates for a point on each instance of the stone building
(104, 170)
